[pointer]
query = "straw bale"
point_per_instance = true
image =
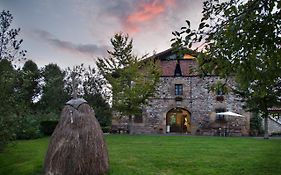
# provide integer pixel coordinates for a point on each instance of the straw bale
(77, 146)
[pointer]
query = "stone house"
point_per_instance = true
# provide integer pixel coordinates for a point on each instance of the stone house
(183, 104)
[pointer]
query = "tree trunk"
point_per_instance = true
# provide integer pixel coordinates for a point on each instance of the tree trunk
(266, 126)
(130, 126)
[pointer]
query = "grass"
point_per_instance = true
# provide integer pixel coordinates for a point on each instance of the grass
(163, 155)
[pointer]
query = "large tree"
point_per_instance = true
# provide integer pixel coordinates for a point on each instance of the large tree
(7, 102)
(241, 39)
(132, 80)
(54, 94)
(9, 51)
(27, 86)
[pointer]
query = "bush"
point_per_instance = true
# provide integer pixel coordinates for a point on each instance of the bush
(48, 127)
(256, 125)
(276, 134)
(6, 130)
(49, 116)
(27, 126)
(105, 129)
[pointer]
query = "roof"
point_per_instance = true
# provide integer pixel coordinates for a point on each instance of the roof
(274, 109)
(174, 64)
(166, 54)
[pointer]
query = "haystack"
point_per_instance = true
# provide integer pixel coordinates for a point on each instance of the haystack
(77, 145)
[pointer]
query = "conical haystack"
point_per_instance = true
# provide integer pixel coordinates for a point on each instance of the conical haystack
(77, 145)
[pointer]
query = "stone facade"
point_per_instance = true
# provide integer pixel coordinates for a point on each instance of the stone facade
(200, 103)
(195, 100)
(274, 125)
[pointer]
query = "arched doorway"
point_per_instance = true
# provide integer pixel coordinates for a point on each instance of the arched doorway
(178, 120)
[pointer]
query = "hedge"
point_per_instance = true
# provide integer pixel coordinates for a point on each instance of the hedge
(48, 127)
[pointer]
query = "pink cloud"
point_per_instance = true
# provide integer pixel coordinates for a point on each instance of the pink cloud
(145, 12)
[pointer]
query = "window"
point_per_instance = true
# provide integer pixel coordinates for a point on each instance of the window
(178, 89)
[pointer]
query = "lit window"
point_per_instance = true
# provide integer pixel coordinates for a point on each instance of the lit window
(178, 89)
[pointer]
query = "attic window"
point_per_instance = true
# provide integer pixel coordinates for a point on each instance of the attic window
(178, 70)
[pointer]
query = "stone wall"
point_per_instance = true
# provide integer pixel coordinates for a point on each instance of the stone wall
(198, 101)
(274, 126)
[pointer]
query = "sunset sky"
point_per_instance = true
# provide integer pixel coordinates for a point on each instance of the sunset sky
(71, 32)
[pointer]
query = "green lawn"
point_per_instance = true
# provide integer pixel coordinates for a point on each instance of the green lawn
(171, 155)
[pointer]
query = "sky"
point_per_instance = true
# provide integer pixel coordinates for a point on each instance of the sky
(71, 32)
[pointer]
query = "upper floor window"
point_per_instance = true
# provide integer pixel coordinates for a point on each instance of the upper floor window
(178, 89)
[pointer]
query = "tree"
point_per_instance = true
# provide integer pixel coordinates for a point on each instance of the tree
(131, 79)
(7, 102)
(89, 86)
(242, 40)
(9, 45)
(54, 94)
(27, 86)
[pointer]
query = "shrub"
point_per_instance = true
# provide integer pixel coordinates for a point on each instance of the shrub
(276, 133)
(27, 126)
(6, 130)
(48, 127)
(105, 129)
(256, 125)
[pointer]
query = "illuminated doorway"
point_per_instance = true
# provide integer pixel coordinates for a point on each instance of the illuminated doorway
(178, 121)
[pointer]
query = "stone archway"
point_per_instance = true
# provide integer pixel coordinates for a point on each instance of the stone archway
(178, 121)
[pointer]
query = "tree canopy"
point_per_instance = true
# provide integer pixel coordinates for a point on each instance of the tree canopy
(243, 40)
(54, 94)
(131, 79)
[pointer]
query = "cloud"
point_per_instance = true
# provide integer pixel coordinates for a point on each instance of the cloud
(146, 11)
(88, 50)
(126, 15)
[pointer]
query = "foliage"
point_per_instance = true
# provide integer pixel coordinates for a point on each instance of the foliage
(7, 102)
(47, 127)
(89, 85)
(54, 95)
(27, 126)
(105, 129)
(256, 125)
(6, 130)
(241, 39)
(30, 82)
(9, 45)
(7, 85)
(27, 87)
(276, 134)
(102, 109)
(131, 79)
(168, 155)
(219, 88)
